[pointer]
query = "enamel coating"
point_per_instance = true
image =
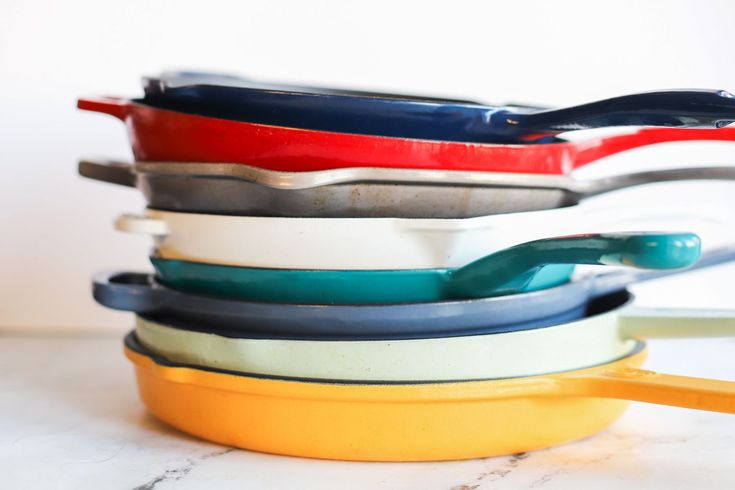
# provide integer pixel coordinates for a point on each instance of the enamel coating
(161, 135)
(527, 267)
(143, 294)
(599, 338)
(408, 422)
(433, 119)
(341, 287)
(398, 244)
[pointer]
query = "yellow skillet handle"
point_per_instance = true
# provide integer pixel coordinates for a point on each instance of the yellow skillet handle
(630, 383)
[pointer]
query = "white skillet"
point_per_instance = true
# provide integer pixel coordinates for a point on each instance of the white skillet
(395, 243)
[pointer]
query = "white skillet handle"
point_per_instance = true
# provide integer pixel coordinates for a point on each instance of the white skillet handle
(132, 223)
(671, 323)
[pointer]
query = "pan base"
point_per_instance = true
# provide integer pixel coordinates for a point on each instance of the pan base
(425, 422)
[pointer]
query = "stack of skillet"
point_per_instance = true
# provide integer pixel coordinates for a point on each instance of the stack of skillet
(365, 276)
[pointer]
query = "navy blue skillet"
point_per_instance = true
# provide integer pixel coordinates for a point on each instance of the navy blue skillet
(406, 116)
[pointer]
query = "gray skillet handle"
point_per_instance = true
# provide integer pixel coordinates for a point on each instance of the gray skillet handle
(110, 172)
(600, 186)
(126, 291)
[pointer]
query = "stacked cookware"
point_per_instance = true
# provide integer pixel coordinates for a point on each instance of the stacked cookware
(367, 276)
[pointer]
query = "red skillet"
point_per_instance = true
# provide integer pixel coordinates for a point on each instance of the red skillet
(161, 135)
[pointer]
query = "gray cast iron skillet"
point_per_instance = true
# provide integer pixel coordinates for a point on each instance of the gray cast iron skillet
(236, 189)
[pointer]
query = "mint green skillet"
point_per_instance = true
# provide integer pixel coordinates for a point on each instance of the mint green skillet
(526, 267)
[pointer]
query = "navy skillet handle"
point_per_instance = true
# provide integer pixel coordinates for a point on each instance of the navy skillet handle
(673, 108)
(110, 172)
(126, 291)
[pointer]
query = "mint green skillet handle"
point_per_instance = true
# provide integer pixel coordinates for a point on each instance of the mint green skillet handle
(671, 323)
(509, 271)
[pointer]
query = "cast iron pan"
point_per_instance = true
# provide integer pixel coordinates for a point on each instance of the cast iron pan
(237, 189)
(142, 294)
(226, 97)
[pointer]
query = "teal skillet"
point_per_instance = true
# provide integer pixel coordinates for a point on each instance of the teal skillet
(526, 267)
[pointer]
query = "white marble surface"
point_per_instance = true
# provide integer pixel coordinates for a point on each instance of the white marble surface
(70, 419)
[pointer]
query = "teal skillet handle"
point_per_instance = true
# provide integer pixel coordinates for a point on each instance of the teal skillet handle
(510, 271)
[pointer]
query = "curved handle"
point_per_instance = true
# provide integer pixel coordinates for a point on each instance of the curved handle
(126, 291)
(602, 284)
(599, 186)
(590, 151)
(110, 172)
(511, 270)
(648, 386)
(680, 108)
(132, 223)
(114, 106)
(671, 323)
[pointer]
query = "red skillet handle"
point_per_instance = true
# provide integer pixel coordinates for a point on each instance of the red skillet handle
(591, 151)
(114, 106)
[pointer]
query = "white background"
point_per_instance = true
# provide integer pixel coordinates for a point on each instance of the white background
(56, 228)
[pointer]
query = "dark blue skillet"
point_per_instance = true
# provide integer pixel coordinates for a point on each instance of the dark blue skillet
(141, 293)
(406, 116)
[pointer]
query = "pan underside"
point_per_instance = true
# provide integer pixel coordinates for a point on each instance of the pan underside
(208, 194)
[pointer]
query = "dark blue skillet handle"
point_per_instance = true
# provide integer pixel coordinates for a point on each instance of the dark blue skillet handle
(673, 108)
(126, 291)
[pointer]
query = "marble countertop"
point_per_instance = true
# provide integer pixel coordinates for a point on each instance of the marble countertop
(70, 418)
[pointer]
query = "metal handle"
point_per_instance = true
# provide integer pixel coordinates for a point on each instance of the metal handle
(110, 172)
(599, 186)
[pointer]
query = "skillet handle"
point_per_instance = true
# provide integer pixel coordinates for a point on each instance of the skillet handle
(620, 279)
(672, 323)
(590, 151)
(599, 186)
(126, 291)
(114, 106)
(683, 108)
(110, 172)
(132, 223)
(511, 270)
(630, 383)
